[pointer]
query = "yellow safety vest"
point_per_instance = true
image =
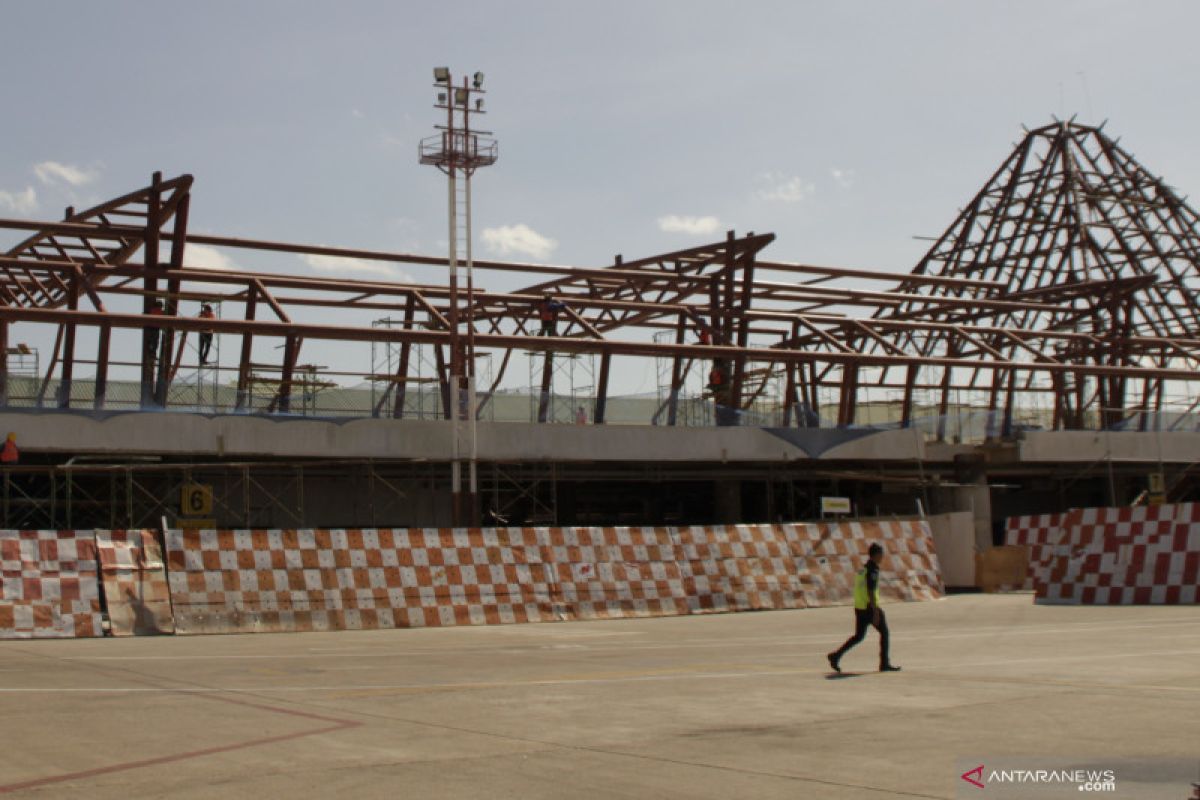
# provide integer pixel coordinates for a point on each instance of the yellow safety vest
(861, 598)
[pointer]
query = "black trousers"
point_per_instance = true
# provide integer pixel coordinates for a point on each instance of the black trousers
(863, 619)
(205, 345)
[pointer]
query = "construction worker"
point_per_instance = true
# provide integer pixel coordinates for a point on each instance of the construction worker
(867, 612)
(716, 378)
(548, 309)
(206, 312)
(10, 455)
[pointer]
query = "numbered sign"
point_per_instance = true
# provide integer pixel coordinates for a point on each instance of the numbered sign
(196, 500)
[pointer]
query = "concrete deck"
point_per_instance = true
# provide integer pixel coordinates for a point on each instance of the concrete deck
(248, 436)
(730, 706)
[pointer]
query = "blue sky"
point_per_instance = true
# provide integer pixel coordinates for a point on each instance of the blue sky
(845, 128)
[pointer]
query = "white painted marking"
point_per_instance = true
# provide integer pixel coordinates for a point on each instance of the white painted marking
(782, 640)
(585, 681)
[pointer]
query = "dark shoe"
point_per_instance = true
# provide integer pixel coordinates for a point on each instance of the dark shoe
(833, 661)
(889, 668)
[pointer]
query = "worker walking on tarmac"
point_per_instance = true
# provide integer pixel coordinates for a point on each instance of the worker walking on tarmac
(867, 612)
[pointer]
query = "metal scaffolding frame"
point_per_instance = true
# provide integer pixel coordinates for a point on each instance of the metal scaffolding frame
(1069, 284)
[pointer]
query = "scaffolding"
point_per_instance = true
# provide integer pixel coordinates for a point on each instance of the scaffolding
(198, 383)
(561, 386)
(691, 405)
(406, 371)
(411, 372)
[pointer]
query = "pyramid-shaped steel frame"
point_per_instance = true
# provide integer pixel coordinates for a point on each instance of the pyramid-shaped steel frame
(1073, 221)
(1072, 215)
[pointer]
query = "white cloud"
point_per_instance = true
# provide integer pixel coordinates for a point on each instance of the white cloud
(204, 257)
(340, 265)
(358, 114)
(844, 177)
(785, 189)
(695, 226)
(23, 202)
(519, 239)
(50, 172)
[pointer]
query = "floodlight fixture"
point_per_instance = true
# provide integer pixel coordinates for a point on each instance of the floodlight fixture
(441, 74)
(460, 96)
(478, 80)
(441, 97)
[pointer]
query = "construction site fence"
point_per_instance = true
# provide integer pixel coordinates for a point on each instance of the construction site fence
(137, 582)
(1112, 556)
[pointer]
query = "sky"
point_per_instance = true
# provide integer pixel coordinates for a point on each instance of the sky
(845, 128)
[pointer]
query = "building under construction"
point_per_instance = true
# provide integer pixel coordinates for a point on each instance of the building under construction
(1041, 355)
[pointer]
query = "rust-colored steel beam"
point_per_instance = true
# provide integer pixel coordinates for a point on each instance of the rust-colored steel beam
(554, 344)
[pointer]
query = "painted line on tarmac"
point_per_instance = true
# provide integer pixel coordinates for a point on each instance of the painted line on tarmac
(1018, 681)
(338, 725)
(673, 676)
(629, 678)
(782, 640)
(1002, 662)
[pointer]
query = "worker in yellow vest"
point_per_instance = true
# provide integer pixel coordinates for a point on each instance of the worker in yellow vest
(867, 612)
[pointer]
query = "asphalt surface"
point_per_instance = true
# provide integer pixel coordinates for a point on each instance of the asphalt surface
(723, 706)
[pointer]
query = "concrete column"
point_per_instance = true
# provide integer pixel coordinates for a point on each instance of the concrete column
(727, 501)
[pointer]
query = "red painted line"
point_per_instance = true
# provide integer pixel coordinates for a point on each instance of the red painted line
(339, 724)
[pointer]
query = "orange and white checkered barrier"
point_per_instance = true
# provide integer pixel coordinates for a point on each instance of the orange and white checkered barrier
(601, 573)
(55, 583)
(833, 553)
(48, 585)
(299, 580)
(134, 577)
(1037, 532)
(740, 568)
(1120, 556)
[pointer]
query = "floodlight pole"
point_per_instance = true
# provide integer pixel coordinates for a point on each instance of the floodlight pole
(458, 149)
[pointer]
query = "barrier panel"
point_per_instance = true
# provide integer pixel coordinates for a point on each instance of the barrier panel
(134, 578)
(603, 573)
(1039, 533)
(1114, 556)
(57, 583)
(833, 553)
(740, 568)
(48, 585)
(1120, 556)
(300, 580)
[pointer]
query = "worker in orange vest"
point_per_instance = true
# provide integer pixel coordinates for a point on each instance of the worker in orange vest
(548, 309)
(10, 455)
(206, 312)
(716, 378)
